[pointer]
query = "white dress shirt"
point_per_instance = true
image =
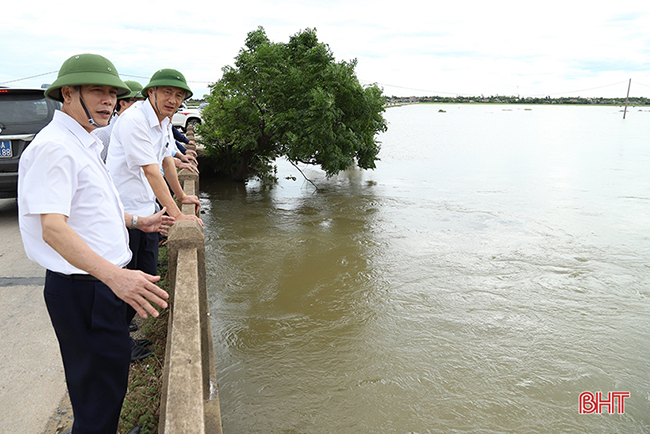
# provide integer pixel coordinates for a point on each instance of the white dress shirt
(137, 140)
(61, 172)
(104, 134)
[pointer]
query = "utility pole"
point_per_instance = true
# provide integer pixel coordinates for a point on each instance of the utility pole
(627, 97)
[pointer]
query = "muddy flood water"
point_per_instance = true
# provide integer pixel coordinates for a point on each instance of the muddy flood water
(490, 270)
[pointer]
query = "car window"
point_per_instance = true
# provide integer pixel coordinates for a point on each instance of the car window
(23, 108)
(24, 112)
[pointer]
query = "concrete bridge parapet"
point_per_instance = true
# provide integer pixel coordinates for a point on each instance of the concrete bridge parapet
(190, 401)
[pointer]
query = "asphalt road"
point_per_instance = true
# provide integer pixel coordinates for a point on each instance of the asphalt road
(32, 382)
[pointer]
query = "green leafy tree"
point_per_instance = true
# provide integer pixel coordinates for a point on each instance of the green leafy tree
(294, 100)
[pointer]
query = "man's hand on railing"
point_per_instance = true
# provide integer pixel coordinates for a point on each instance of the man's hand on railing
(189, 218)
(191, 199)
(189, 166)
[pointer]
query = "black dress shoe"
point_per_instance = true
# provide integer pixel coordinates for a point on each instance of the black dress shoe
(133, 326)
(143, 342)
(134, 430)
(138, 353)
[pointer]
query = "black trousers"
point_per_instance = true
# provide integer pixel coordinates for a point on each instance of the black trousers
(144, 246)
(89, 322)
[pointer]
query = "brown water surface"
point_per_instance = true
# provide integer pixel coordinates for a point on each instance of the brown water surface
(493, 267)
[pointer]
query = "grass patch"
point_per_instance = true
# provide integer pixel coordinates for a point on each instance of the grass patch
(142, 402)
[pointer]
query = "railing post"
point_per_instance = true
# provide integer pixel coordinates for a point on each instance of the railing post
(190, 401)
(182, 403)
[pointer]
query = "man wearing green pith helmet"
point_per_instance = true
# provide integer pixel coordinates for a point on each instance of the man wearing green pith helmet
(139, 148)
(73, 223)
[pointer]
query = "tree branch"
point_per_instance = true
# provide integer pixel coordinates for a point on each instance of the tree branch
(303, 174)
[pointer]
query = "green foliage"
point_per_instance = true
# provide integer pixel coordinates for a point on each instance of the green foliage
(294, 100)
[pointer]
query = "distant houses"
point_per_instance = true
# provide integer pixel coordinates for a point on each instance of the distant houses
(500, 99)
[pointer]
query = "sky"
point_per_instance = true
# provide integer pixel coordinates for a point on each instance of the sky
(407, 47)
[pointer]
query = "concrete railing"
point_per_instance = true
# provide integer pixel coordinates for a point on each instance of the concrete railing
(190, 401)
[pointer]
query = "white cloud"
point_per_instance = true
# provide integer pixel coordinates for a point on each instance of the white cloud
(417, 46)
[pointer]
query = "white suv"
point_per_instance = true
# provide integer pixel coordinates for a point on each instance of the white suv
(184, 117)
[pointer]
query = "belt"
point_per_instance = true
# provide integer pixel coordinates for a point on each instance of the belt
(77, 277)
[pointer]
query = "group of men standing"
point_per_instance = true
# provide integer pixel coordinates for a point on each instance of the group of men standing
(94, 225)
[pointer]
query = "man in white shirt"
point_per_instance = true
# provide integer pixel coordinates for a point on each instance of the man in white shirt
(140, 146)
(123, 103)
(180, 161)
(73, 223)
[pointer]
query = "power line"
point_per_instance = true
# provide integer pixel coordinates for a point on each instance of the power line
(27, 78)
(147, 78)
(582, 90)
(134, 76)
(436, 92)
(121, 75)
(432, 92)
(412, 88)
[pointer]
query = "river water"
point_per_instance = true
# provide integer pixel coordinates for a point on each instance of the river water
(492, 268)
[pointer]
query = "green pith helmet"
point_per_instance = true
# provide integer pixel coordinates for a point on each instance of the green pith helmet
(168, 77)
(136, 90)
(91, 69)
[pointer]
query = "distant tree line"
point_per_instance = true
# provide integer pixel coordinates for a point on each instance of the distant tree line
(500, 99)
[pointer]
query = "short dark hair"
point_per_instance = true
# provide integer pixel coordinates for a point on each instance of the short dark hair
(118, 107)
